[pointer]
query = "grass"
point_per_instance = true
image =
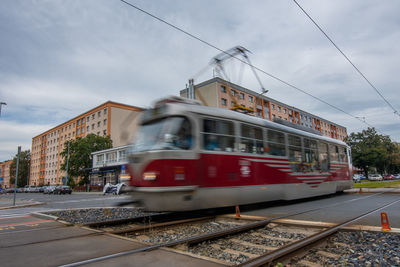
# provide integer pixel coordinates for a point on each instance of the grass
(391, 184)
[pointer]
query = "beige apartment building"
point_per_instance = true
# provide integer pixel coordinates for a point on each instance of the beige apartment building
(109, 119)
(5, 174)
(217, 92)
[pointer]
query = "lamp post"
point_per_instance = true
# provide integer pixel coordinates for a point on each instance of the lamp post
(2, 103)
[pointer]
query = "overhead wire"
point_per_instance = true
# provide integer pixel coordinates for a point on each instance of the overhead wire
(347, 58)
(243, 61)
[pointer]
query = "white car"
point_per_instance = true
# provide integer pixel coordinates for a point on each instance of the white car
(375, 177)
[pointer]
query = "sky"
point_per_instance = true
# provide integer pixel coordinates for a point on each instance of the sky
(61, 58)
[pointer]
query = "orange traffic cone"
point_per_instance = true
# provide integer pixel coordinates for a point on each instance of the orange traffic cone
(237, 210)
(360, 190)
(385, 222)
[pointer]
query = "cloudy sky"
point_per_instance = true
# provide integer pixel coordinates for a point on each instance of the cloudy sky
(59, 59)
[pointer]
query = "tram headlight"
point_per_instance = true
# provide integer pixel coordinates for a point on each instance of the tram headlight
(149, 176)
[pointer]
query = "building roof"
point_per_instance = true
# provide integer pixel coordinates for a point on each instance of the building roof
(108, 103)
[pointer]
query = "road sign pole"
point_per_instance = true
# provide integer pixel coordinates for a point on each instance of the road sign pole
(16, 175)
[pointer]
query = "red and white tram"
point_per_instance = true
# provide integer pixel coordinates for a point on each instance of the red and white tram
(187, 156)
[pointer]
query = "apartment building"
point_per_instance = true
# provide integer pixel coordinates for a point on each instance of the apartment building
(217, 92)
(5, 174)
(109, 119)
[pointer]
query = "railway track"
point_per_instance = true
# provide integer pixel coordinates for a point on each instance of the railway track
(240, 242)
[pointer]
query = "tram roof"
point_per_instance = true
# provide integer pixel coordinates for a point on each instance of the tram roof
(233, 115)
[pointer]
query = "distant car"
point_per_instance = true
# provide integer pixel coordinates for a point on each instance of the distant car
(375, 177)
(388, 177)
(397, 176)
(41, 189)
(9, 190)
(62, 189)
(27, 189)
(49, 189)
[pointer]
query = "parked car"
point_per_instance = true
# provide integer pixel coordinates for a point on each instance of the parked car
(62, 189)
(49, 189)
(375, 177)
(9, 190)
(41, 189)
(388, 177)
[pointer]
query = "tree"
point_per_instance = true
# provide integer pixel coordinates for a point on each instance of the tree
(23, 168)
(372, 150)
(80, 158)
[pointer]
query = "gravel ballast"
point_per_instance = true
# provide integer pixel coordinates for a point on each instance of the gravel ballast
(84, 216)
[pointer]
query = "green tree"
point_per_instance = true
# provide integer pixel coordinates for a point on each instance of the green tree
(23, 168)
(80, 159)
(372, 150)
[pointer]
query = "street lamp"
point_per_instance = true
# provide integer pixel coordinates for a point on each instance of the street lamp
(2, 103)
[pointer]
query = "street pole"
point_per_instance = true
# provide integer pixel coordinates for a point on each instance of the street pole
(16, 175)
(66, 179)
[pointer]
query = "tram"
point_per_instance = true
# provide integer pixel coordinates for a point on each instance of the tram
(187, 156)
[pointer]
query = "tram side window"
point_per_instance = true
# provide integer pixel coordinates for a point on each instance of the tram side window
(218, 135)
(334, 153)
(276, 143)
(323, 156)
(295, 157)
(342, 154)
(310, 155)
(251, 140)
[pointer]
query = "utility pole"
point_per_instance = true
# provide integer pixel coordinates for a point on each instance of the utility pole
(2, 103)
(16, 174)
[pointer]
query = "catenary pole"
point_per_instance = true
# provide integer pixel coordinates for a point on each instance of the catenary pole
(16, 175)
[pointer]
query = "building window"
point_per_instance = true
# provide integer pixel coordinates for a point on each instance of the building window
(98, 124)
(87, 118)
(78, 131)
(284, 111)
(93, 115)
(105, 111)
(272, 106)
(78, 122)
(92, 126)
(250, 99)
(83, 130)
(279, 108)
(98, 114)
(223, 101)
(83, 120)
(232, 103)
(241, 96)
(223, 89)
(233, 92)
(105, 132)
(105, 122)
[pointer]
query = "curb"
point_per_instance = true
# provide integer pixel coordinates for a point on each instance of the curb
(43, 216)
(22, 206)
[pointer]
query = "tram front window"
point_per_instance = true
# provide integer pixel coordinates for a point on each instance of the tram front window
(170, 133)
